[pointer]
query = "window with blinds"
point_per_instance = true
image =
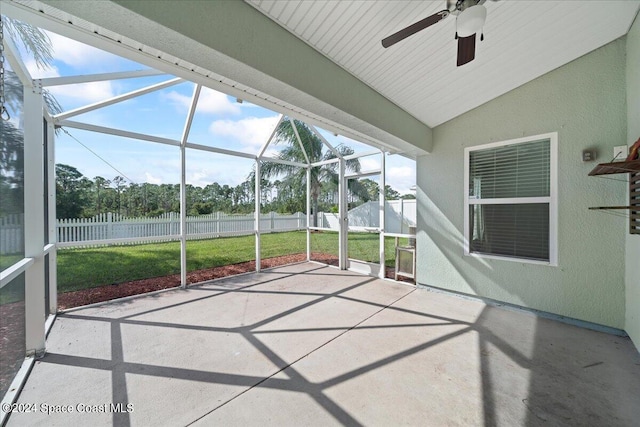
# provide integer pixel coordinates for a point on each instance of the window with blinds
(509, 200)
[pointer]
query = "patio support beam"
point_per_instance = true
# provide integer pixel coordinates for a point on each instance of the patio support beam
(118, 132)
(283, 162)
(266, 144)
(361, 155)
(295, 131)
(324, 140)
(183, 185)
(89, 78)
(382, 185)
(52, 222)
(34, 221)
(257, 178)
(119, 98)
(342, 215)
(309, 213)
(326, 162)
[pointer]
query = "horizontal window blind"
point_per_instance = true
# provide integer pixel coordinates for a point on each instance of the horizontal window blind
(520, 170)
(514, 230)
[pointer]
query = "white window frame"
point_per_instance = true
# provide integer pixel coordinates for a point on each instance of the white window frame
(552, 199)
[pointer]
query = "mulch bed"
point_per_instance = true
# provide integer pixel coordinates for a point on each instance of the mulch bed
(136, 287)
(11, 342)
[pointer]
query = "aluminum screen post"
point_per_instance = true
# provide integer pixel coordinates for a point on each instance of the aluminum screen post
(342, 214)
(257, 178)
(381, 274)
(34, 227)
(308, 216)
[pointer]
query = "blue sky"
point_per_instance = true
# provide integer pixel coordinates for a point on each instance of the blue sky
(219, 121)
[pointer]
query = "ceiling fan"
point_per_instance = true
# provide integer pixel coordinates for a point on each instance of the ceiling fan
(470, 18)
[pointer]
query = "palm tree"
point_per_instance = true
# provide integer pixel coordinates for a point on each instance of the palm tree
(38, 45)
(296, 177)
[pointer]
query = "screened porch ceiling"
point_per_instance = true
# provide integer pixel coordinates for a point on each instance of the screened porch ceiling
(322, 61)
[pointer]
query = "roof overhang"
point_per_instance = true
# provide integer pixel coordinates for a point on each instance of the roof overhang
(233, 40)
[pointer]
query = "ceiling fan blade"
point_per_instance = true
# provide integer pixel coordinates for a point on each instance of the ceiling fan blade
(414, 28)
(466, 49)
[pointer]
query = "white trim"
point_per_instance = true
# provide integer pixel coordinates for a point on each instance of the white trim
(49, 248)
(506, 258)
(88, 78)
(553, 207)
(552, 199)
(10, 273)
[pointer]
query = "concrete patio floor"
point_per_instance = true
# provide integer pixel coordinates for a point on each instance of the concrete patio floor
(312, 345)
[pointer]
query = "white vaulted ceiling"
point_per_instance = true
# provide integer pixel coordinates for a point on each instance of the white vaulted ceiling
(523, 40)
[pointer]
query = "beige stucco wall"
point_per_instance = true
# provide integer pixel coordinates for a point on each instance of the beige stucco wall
(632, 274)
(584, 102)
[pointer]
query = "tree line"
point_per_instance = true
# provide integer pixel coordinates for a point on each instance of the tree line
(80, 197)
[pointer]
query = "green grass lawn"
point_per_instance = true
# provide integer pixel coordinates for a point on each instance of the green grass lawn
(91, 267)
(8, 260)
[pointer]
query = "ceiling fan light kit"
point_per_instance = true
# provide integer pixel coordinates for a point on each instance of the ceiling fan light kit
(470, 18)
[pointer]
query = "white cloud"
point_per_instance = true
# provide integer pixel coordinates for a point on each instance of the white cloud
(401, 178)
(40, 73)
(78, 54)
(205, 175)
(85, 92)
(79, 93)
(210, 102)
(369, 163)
(250, 131)
(152, 179)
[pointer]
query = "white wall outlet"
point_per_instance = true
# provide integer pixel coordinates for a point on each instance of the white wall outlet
(620, 153)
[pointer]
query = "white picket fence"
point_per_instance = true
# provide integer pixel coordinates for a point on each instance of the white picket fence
(102, 228)
(11, 234)
(400, 216)
(83, 231)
